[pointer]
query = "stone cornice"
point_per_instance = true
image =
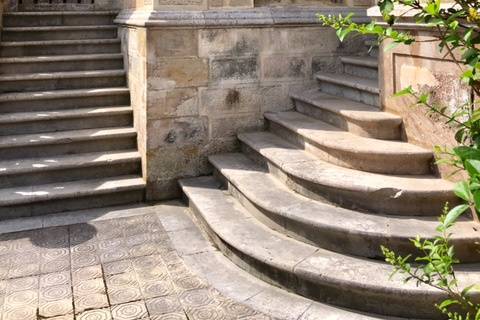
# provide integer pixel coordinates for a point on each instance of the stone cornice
(259, 17)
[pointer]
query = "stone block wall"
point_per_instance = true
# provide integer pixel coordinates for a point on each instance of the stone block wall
(194, 87)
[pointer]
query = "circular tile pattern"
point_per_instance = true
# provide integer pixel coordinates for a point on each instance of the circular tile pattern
(54, 293)
(99, 314)
(20, 313)
(87, 287)
(130, 311)
(54, 279)
(207, 313)
(21, 299)
(56, 308)
(124, 294)
(196, 298)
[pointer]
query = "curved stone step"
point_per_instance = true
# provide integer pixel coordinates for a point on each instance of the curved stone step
(348, 150)
(64, 99)
(59, 47)
(317, 179)
(331, 227)
(68, 196)
(38, 33)
(21, 172)
(80, 62)
(360, 66)
(64, 80)
(67, 142)
(359, 89)
(57, 18)
(60, 120)
(357, 118)
(327, 276)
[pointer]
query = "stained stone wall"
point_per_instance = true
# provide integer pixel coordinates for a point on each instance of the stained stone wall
(197, 79)
(426, 69)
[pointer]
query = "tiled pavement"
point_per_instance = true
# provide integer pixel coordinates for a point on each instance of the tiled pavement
(119, 269)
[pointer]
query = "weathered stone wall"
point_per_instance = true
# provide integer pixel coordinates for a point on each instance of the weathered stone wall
(204, 83)
(422, 66)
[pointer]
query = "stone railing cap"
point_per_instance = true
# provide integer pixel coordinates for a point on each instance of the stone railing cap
(239, 17)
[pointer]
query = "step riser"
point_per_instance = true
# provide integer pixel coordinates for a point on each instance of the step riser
(123, 143)
(65, 103)
(406, 204)
(71, 174)
(372, 129)
(340, 294)
(62, 84)
(57, 20)
(370, 162)
(39, 126)
(71, 204)
(53, 50)
(361, 71)
(59, 35)
(356, 244)
(350, 93)
(58, 66)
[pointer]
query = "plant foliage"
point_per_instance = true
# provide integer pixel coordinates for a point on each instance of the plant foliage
(456, 28)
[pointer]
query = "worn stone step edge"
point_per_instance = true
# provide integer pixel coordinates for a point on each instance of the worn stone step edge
(58, 42)
(63, 137)
(63, 75)
(77, 161)
(82, 113)
(62, 58)
(356, 117)
(61, 94)
(330, 227)
(349, 150)
(59, 28)
(329, 277)
(82, 188)
(362, 61)
(359, 83)
(317, 179)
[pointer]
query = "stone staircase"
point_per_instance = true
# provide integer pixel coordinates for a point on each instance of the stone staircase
(67, 140)
(308, 203)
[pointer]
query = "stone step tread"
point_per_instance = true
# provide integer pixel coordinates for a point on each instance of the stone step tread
(301, 164)
(329, 136)
(63, 190)
(364, 61)
(60, 94)
(346, 107)
(61, 58)
(18, 117)
(61, 137)
(58, 42)
(59, 28)
(34, 165)
(233, 224)
(60, 13)
(63, 75)
(355, 82)
(267, 192)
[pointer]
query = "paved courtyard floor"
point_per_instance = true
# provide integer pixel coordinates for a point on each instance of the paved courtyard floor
(120, 268)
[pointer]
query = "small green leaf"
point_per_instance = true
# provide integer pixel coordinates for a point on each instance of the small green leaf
(462, 190)
(453, 214)
(406, 91)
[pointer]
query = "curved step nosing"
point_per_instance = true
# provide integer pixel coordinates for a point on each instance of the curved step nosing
(330, 144)
(54, 95)
(358, 61)
(301, 280)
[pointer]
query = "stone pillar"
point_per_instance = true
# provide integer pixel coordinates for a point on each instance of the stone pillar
(426, 69)
(198, 78)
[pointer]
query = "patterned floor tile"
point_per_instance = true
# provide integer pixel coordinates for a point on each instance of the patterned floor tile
(55, 279)
(164, 305)
(124, 269)
(55, 308)
(130, 311)
(91, 301)
(98, 314)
